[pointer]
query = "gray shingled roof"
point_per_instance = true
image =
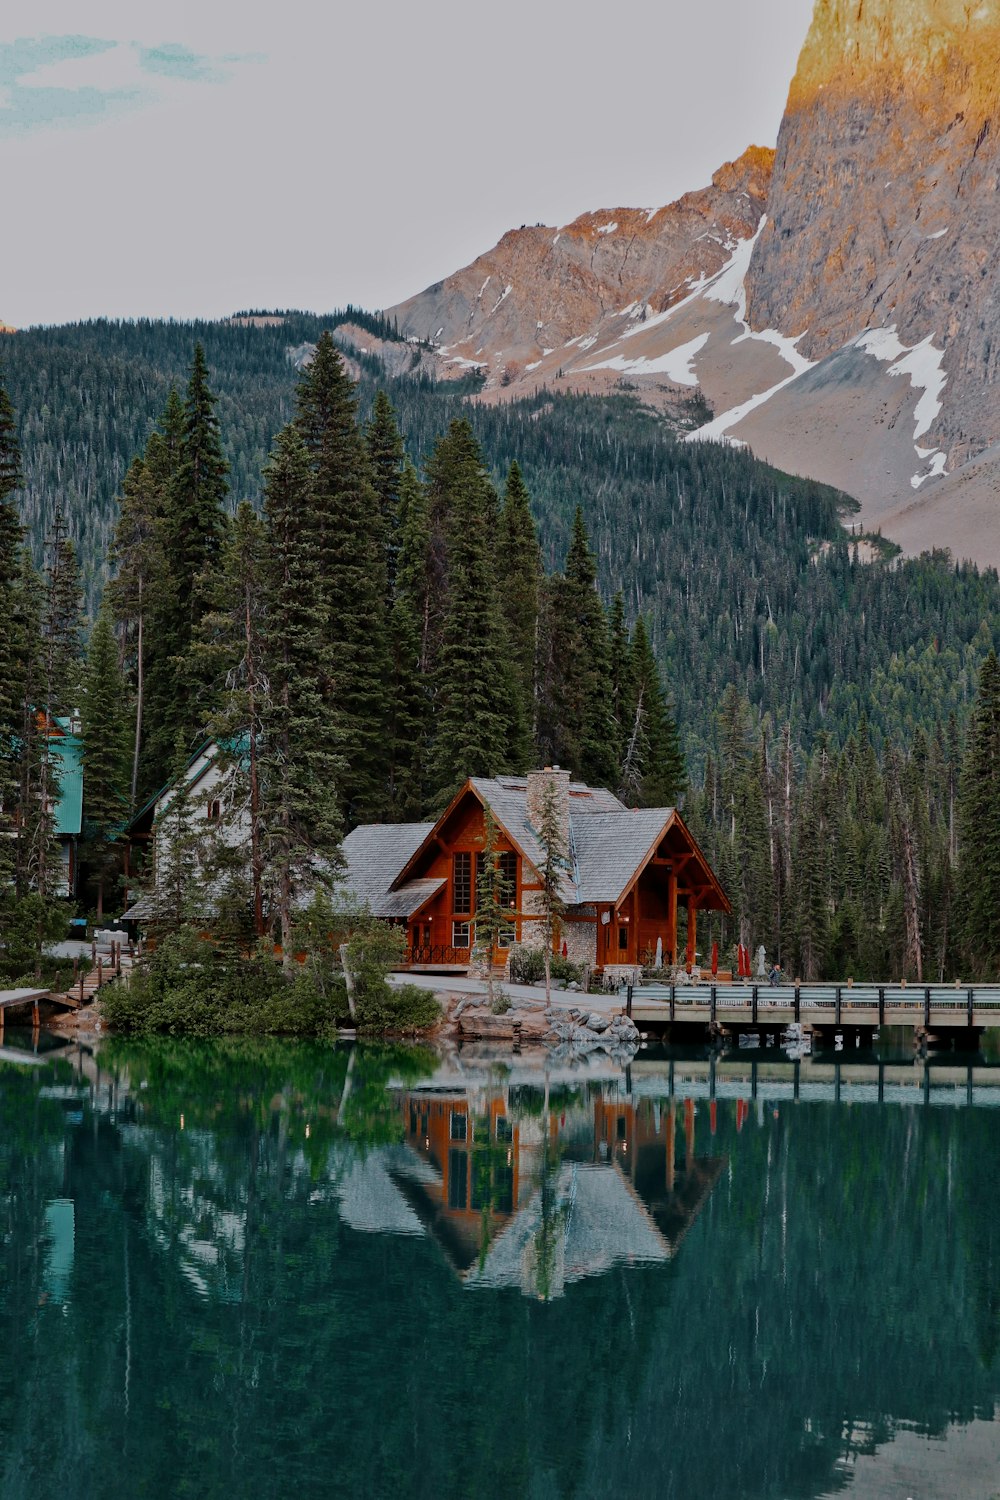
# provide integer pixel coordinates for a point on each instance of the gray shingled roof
(610, 847)
(375, 853)
(608, 842)
(407, 900)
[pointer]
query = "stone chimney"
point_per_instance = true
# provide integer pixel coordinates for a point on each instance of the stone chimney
(538, 784)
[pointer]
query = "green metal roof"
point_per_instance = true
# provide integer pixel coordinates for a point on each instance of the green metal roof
(236, 746)
(67, 752)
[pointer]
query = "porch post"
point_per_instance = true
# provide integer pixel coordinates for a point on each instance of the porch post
(672, 917)
(692, 931)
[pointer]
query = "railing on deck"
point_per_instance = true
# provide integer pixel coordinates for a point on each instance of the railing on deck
(437, 953)
(834, 1003)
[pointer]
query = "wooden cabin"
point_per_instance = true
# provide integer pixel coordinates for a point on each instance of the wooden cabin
(630, 872)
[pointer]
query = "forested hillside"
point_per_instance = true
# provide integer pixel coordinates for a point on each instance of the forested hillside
(426, 629)
(723, 552)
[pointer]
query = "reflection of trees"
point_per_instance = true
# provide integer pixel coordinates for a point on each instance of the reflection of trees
(840, 1278)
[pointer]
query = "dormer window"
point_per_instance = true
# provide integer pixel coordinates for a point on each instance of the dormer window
(214, 812)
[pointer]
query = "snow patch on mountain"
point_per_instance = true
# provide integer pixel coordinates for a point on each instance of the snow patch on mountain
(677, 364)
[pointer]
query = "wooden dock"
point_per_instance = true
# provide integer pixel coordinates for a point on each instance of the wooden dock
(931, 1007)
(104, 967)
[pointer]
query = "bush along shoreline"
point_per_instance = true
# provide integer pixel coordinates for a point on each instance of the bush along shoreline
(188, 987)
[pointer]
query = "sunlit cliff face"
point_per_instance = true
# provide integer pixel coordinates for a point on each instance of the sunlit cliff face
(884, 208)
(949, 47)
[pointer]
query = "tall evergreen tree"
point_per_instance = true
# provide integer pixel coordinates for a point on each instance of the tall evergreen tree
(231, 643)
(302, 762)
(979, 830)
(196, 520)
(106, 760)
(496, 919)
(520, 564)
(139, 600)
(654, 773)
(410, 700)
(10, 669)
(578, 729)
(386, 455)
(476, 724)
(345, 534)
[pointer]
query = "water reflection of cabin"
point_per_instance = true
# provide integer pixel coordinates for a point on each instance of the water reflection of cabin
(629, 871)
(594, 1183)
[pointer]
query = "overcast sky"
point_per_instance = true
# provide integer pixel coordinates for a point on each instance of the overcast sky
(191, 159)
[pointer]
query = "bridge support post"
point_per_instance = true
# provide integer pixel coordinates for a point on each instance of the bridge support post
(628, 1003)
(714, 1002)
(798, 1004)
(927, 1007)
(881, 1006)
(753, 1005)
(838, 1005)
(969, 1009)
(673, 1001)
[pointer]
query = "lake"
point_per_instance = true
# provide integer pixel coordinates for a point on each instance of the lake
(271, 1269)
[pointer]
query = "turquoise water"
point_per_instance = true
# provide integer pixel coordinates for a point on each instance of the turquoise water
(271, 1269)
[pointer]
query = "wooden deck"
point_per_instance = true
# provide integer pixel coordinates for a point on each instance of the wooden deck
(923, 1007)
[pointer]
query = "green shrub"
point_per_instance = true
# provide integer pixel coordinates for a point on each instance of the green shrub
(527, 965)
(403, 1007)
(565, 972)
(500, 1003)
(184, 988)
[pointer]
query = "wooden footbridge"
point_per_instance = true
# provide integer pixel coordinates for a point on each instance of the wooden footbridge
(23, 1005)
(924, 1007)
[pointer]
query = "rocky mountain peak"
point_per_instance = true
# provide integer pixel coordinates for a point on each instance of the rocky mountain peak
(923, 44)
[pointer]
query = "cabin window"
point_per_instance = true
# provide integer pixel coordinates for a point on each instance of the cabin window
(458, 1174)
(504, 1129)
(459, 1126)
(461, 935)
(214, 812)
(507, 870)
(462, 885)
(623, 939)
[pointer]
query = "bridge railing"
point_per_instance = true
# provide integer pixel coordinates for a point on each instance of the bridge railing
(839, 1000)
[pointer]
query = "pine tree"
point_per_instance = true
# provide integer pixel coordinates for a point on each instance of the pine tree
(105, 714)
(654, 772)
(302, 763)
(386, 455)
(410, 700)
(552, 875)
(193, 530)
(496, 919)
(345, 534)
(196, 521)
(476, 723)
(183, 891)
(61, 650)
(812, 906)
(232, 647)
(520, 564)
(979, 830)
(10, 673)
(137, 597)
(28, 606)
(578, 729)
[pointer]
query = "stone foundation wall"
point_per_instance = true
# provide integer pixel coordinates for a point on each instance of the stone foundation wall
(581, 939)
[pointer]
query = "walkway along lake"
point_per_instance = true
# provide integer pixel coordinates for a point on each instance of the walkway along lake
(267, 1268)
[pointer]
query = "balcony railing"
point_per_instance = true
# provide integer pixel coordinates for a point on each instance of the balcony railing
(437, 953)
